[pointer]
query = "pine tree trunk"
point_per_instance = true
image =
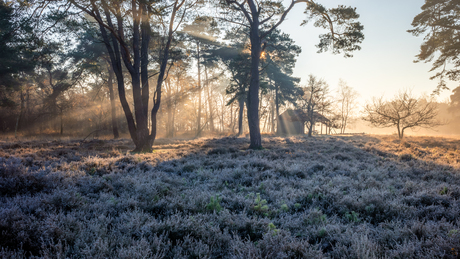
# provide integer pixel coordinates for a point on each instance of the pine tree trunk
(198, 120)
(161, 75)
(277, 110)
(240, 117)
(61, 115)
(112, 103)
(223, 110)
(253, 94)
(272, 115)
(169, 108)
(231, 118)
(20, 115)
(210, 98)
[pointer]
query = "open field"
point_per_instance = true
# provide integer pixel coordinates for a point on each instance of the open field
(320, 197)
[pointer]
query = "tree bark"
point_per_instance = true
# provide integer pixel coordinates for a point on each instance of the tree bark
(253, 93)
(277, 109)
(198, 119)
(136, 68)
(169, 126)
(61, 116)
(113, 48)
(231, 118)
(210, 98)
(21, 114)
(161, 75)
(136, 62)
(272, 114)
(112, 103)
(240, 117)
(223, 113)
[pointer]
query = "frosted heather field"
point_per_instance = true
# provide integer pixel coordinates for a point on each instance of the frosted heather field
(320, 197)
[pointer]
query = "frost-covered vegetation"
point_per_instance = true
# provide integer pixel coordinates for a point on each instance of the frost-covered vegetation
(322, 197)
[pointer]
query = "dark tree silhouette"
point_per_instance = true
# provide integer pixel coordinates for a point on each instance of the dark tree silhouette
(439, 22)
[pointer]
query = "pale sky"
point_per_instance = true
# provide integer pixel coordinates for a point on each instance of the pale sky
(383, 65)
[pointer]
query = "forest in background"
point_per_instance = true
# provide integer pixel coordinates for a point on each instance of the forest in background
(58, 79)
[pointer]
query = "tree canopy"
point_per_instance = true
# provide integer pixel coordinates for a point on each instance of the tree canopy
(439, 23)
(17, 50)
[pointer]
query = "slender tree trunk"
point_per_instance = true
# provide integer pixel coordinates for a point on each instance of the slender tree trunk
(322, 113)
(174, 111)
(112, 103)
(253, 94)
(61, 115)
(231, 118)
(223, 112)
(27, 112)
(169, 108)
(164, 62)
(266, 123)
(346, 117)
(113, 48)
(20, 115)
(210, 98)
(277, 109)
(272, 114)
(240, 117)
(310, 123)
(198, 118)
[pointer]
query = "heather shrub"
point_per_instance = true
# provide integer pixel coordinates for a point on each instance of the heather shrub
(299, 197)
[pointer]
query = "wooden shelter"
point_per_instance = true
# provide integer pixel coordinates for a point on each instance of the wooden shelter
(292, 122)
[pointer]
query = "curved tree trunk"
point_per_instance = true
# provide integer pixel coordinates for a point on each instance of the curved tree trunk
(161, 75)
(113, 48)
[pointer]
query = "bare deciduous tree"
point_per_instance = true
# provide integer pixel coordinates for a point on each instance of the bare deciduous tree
(404, 111)
(314, 101)
(346, 101)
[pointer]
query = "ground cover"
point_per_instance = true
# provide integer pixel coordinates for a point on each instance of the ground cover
(320, 197)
